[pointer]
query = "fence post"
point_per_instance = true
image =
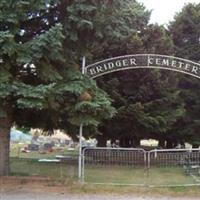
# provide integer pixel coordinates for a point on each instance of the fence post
(145, 159)
(148, 162)
(83, 165)
(80, 152)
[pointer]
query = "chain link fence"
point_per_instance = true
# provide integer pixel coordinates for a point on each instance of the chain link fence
(173, 167)
(114, 166)
(117, 166)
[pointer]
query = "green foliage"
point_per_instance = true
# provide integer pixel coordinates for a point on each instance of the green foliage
(106, 25)
(145, 109)
(156, 39)
(148, 102)
(42, 43)
(39, 79)
(47, 46)
(185, 33)
(86, 112)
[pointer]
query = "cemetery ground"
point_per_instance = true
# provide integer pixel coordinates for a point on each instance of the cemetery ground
(27, 174)
(31, 188)
(27, 164)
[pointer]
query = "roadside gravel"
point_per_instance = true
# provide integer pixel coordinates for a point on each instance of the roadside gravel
(54, 196)
(15, 188)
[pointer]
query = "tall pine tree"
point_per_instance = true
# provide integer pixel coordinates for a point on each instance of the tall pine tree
(40, 82)
(185, 32)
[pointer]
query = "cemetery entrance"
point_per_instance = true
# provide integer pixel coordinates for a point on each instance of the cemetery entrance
(172, 167)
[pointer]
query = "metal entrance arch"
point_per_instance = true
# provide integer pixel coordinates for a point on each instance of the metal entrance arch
(135, 61)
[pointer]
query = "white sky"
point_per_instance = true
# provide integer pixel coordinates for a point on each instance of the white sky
(163, 11)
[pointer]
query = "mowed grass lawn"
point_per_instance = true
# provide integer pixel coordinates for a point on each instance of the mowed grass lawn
(101, 174)
(26, 164)
(138, 176)
(31, 167)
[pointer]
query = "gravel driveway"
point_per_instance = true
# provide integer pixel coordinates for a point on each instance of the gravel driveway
(55, 196)
(36, 189)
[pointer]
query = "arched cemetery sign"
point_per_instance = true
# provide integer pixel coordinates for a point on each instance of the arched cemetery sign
(134, 62)
(142, 61)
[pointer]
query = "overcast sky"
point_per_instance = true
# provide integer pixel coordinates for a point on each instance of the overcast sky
(164, 10)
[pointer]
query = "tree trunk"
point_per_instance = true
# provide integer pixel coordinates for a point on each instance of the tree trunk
(125, 142)
(169, 144)
(101, 141)
(195, 146)
(182, 143)
(122, 142)
(136, 142)
(5, 126)
(161, 143)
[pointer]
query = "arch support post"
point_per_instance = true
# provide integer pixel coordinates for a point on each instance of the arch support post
(80, 152)
(80, 157)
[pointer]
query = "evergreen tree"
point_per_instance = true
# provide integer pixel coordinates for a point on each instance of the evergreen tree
(40, 85)
(148, 102)
(185, 33)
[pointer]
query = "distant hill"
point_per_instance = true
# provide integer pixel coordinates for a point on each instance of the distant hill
(19, 136)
